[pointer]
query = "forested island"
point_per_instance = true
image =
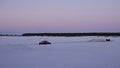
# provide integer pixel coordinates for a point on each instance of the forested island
(71, 34)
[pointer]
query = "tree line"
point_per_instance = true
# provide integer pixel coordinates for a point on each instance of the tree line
(71, 34)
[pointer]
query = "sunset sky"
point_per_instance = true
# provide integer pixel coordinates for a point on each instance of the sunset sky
(21, 16)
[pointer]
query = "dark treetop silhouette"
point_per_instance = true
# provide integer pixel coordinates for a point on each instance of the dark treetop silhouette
(71, 34)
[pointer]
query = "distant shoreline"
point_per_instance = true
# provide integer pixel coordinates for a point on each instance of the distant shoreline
(71, 34)
(67, 34)
(9, 35)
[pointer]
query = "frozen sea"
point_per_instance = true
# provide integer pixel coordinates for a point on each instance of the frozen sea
(64, 52)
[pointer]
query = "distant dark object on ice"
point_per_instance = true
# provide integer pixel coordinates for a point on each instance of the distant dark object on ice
(108, 40)
(44, 42)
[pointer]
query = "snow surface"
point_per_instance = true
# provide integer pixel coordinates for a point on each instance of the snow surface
(64, 52)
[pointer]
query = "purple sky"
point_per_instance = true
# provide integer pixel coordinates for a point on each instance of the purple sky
(19, 16)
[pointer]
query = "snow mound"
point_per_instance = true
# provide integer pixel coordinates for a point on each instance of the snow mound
(98, 40)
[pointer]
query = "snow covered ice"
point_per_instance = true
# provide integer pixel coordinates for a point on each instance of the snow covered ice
(64, 52)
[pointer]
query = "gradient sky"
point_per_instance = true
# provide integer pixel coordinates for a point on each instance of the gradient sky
(20, 16)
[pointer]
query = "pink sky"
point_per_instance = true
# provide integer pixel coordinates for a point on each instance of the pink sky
(61, 16)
